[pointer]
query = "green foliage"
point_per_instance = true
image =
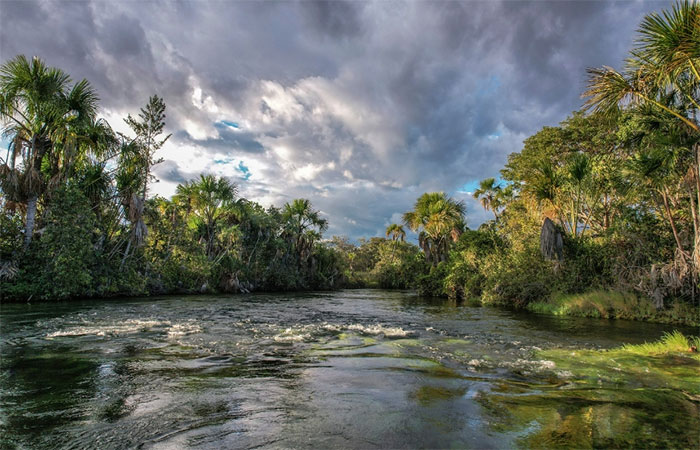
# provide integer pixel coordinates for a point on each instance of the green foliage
(10, 235)
(397, 265)
(60, 264)
(517, 277)
(86, 189)
(608, 304)
(670, 342)
(432, 284)
(439, 220)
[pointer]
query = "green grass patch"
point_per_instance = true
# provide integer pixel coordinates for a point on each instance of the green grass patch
(615, 305)
(669, 363)
(669, 343)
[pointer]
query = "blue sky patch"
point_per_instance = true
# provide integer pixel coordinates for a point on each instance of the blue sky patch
(228, 123)
(242, 168)
(472, 186)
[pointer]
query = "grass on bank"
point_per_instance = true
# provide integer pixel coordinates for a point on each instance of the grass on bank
(674, 342)
(671, 362)
(615, 305)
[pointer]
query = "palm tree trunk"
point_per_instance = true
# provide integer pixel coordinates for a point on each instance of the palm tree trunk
(672, 222)
(31, 218)
(696, 218)
(126, 254)
(606, 217)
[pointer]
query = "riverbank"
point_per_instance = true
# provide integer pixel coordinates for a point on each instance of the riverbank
(607, 304)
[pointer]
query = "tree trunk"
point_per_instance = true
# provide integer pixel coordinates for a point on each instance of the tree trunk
(696, 218)
(126, 254)
(31, 218)
(672, 222)
(606, 216)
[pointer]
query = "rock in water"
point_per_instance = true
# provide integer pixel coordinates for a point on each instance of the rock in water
(551, 241)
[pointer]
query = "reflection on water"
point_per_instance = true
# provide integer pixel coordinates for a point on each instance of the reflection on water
(358, 369)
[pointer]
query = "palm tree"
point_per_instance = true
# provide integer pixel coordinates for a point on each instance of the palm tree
(303, 225)
(40, 112)
(209, 199)
(666, 59)
(487, 194)
(579, 169)
(396, 232)
(439, 219)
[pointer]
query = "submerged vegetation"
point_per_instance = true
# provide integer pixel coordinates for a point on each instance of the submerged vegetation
(628, 383)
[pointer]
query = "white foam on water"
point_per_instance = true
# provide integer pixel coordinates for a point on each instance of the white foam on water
(376, 330)
(130, 326)
(305, 333)
(294, 334)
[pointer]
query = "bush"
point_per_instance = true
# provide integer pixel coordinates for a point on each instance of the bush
(60, 260)
(432, 284)
(398, 265)
(517, 277)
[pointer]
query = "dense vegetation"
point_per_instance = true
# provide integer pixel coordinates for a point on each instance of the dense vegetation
(618, 182)
(77, 219)
(621, 184)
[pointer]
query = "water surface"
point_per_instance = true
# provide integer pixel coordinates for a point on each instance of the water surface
(350, 369)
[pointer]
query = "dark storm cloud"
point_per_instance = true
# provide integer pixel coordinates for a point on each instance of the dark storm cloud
(335, 19)
(360, 106)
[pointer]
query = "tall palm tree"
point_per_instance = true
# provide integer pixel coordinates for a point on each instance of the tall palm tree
(487, 194)
(396, 232)
(303, 225)
(40, 111)
(439, 220)
(666, 59)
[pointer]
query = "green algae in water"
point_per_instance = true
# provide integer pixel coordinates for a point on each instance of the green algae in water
(665, 364)
(632, 396)
(589, 418)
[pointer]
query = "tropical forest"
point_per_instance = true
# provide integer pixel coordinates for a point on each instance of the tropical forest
(551, 302)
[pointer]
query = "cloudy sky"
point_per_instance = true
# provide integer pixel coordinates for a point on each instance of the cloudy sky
(358, 106)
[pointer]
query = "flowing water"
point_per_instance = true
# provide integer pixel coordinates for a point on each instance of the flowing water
(349, 369)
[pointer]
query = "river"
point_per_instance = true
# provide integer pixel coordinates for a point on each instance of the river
(348, 369)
